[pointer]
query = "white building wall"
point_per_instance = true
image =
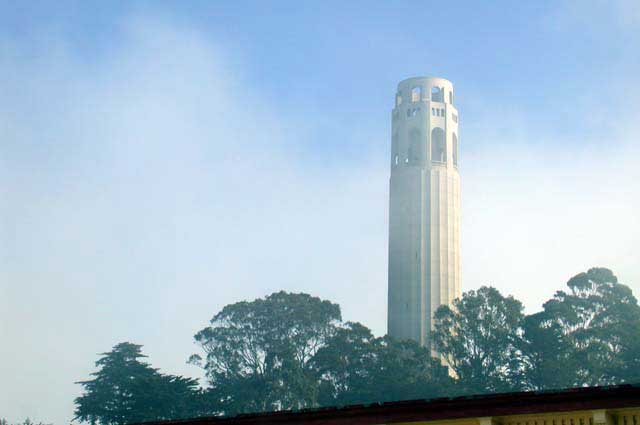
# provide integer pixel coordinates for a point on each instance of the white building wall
(424, 208)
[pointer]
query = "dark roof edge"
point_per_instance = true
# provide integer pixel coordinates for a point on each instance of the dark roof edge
(584, 398)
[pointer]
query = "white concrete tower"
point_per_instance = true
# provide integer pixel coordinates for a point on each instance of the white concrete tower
(424, 207)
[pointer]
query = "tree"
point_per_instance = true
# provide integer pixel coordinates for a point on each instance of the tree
(548, 354)
(344, 366)
(125, 390)
(291, 351)
(481, 339)
(601, 319)
(258, 353)
(354, 367)
(406, 371)
(629, 370)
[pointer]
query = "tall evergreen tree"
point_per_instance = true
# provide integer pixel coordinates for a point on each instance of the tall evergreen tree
(125, 389)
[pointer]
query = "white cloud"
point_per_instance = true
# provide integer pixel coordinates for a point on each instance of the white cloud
(612, 21)
(538, 209)
(143, 195)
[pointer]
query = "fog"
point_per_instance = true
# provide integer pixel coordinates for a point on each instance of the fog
(140, 195)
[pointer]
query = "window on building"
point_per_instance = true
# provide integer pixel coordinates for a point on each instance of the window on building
(437, 94)
(438, 146)
(412, 112)
(416, 93)
(398, 100)
(450, 97)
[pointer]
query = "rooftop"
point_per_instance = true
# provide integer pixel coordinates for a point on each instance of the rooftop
(489, 405)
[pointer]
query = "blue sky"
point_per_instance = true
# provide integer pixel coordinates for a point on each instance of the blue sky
(331, 55)
(159, 160)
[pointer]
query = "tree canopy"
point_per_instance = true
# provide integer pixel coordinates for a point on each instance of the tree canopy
(479, 337)
(258, 352)
(584, 336)
(125, 389)
(354, 367)
(293, 351)
(599, 318)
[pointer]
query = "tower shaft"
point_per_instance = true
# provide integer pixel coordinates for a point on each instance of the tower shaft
(424, 207)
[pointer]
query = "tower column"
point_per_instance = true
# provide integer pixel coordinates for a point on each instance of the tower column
(424, 207)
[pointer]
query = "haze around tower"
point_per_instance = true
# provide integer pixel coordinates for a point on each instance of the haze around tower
(149, 154)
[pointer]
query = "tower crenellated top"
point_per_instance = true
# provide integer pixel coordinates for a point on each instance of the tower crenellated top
(418, 89)
(424, 124)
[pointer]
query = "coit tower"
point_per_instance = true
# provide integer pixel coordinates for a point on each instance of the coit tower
(424, 207)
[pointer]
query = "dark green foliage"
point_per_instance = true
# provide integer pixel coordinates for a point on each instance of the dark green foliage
(629, 366)
(587, 335)
(344, 366)
(354, 367)
(548, 354)
(291, 351)
(599, 319)
(480, 338)
(258, 353)
(405, 370)
(125, 390)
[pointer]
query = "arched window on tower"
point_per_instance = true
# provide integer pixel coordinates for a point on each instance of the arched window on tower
(416, 147)
(450, 97)
(454, 154)
(416, 93)
(437, 94)
(438, 146)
